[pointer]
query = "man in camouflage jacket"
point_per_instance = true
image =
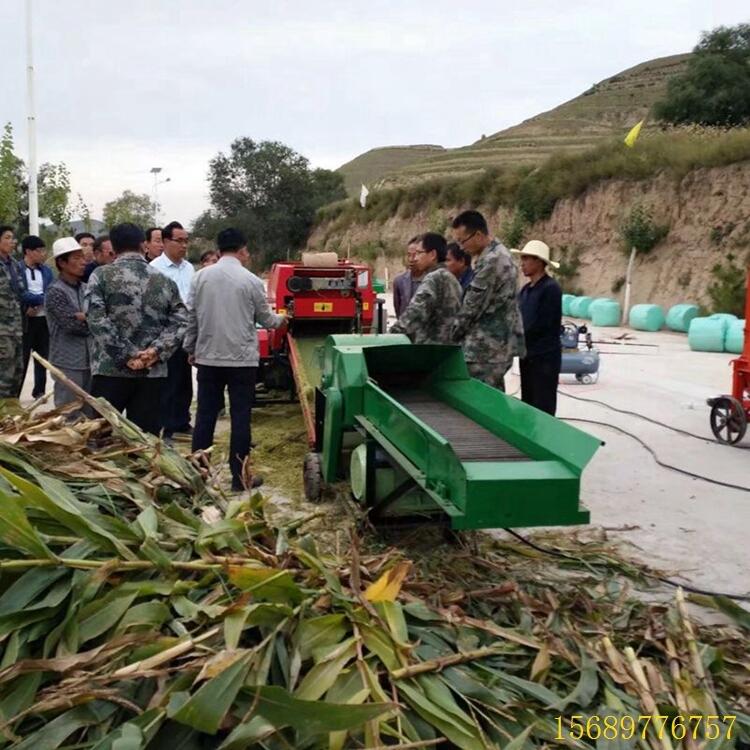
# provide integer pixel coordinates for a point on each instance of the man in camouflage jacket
(488, 326)
(137, 321)
(428, 317)
(11, 325)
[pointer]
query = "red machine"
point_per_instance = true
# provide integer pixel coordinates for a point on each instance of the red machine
(319, 300)
(730, 414)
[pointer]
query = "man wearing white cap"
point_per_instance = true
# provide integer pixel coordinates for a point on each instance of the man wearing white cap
(68, 329)
(540, 301)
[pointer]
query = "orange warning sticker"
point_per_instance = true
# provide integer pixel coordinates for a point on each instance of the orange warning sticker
(323, 307)
(365, 306)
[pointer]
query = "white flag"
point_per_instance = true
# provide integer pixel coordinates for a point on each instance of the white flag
(363, 196)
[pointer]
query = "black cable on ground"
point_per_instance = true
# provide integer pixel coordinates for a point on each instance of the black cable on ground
(676, 584)
(678, 430)
(661, 463)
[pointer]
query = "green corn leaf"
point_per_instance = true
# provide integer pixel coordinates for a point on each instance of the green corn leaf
(319, 631)
(586, 689)
(314, 717)
(247, 734)
(322, 676)
(145, 615)
(58, 502)
(266, 583)
(16, 531)
(101, 615)
(206, 708)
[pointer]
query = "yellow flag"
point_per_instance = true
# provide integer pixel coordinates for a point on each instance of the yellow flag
(633, 134)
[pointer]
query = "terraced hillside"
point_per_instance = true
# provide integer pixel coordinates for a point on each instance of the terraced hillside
(370, 167)
(608, 108)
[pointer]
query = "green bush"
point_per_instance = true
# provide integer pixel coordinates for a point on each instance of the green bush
(728, 289)
(570, 261)
(618, 284)
(512, 229)
(639, 230)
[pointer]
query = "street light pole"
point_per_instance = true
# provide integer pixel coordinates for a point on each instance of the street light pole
(155, 172)
(31, 120)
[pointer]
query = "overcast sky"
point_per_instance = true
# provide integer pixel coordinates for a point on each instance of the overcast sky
(129, 85)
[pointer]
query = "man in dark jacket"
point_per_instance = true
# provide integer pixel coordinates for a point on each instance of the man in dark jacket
(405, 285)
(540, 301)
(35, 277)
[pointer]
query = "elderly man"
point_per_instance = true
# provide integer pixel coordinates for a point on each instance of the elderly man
(405, 285)
(178, 388)
(488, 326)
(137, 321)
(68, 329)
(226, 302)
(11, 327)
(427, 319)
(541, 307)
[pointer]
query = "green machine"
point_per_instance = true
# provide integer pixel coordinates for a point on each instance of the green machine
(418, 438)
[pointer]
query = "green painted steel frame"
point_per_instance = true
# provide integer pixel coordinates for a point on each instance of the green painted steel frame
(543, 490)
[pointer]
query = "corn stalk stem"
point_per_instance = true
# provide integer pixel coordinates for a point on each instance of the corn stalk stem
(436, 665)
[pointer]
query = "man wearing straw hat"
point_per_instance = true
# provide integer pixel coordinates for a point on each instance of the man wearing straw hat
(540, 301)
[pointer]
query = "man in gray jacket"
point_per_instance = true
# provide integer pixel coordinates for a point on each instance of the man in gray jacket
(226, 301)
(68, 329)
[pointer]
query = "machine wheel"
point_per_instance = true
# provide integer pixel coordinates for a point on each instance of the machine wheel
(312, 476)
(586, 379)
(728, 420)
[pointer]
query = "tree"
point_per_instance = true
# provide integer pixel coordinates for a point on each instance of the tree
(715, 87)
(132, 207)
(13, 185)
(54, 194)
(267, 190)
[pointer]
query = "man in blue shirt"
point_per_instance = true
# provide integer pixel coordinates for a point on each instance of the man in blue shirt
(177, 393)
(540, 301)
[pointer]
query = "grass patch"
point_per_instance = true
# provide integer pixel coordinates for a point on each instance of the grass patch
(535, 192)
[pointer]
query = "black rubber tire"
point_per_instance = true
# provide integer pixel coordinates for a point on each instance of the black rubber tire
(728, 420)
(312, 477)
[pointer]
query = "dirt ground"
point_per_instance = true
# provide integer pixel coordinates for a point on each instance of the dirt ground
(685, 526)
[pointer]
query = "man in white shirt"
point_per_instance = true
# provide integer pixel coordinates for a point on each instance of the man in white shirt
(177, 393)
(226, 302)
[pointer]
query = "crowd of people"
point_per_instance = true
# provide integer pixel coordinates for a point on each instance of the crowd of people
(466, 293)
(128, 317)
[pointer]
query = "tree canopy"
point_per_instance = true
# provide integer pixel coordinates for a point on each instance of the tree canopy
(137, 208)
(714, 90)
(267, 190)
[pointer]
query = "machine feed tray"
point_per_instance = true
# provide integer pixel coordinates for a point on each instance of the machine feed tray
(470, 441)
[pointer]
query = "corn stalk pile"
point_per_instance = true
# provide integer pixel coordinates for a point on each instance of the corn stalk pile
(139, 608)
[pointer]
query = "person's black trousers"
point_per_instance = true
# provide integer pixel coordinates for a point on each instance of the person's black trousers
(36, 338)
(540, 375)
(137, 397)
(240, 382)
(177, 394)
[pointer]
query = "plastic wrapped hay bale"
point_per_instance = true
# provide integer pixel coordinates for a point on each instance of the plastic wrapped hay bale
(605, 313)
(707, 335)
(579, 307)
(567, 299)
(679, 317)
(734, 339)
(646, 317)
(728, 318)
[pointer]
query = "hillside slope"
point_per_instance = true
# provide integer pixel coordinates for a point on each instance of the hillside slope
(370, 167)
(608, 108)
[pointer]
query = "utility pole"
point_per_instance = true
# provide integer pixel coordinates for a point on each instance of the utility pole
(155, 172)
(31, 120)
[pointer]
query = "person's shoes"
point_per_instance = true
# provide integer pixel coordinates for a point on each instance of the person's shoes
(237, 485)
(37, 394)
(188, 430)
